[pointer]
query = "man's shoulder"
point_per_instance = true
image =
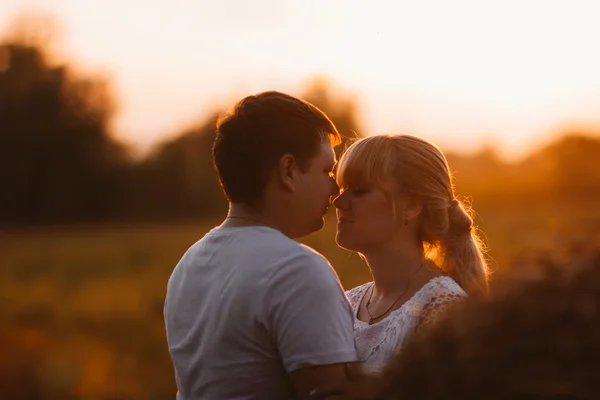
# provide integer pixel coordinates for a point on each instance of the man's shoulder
(310, 252)
(305, 256)
(243, 238)
(270, 243)
(305, 267)
(263, 246)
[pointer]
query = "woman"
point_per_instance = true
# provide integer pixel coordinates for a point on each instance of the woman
(398, 210)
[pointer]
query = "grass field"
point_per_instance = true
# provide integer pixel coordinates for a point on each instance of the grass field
(82, 307)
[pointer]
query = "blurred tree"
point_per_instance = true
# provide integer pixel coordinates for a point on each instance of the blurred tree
(571, 166)
(341, 108)
(58, 162)
(178, 180)
(564, 170)
(484, 176)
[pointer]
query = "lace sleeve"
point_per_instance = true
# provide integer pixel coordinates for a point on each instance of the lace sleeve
(355, 295)
(437, 307)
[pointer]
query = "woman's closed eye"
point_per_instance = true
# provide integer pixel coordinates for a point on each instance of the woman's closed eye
(356, 190)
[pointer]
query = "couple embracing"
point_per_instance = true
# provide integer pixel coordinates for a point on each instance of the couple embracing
(250, 313)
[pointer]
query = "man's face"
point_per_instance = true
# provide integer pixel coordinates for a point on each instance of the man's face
(316, 186)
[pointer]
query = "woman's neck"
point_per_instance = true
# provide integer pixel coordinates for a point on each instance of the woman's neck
(393, 269)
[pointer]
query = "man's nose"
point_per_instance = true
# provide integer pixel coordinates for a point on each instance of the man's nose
(335, 189)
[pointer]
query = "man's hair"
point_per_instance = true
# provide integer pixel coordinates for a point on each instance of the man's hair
(253, 137)
(537, 340)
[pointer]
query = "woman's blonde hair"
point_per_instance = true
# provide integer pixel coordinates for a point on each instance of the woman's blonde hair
(419, 168)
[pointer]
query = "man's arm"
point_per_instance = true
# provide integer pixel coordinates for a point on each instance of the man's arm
(357, 383)
(311, 322)
(307, 379)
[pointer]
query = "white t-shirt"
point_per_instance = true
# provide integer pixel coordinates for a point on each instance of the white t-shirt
(245, 306)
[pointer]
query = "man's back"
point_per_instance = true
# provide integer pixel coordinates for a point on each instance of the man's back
(247, 306)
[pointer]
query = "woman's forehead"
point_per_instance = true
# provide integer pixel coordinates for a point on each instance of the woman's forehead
(363, 177)
(368, 178)
(351, 173)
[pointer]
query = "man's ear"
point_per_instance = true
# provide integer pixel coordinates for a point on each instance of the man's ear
(287, 171)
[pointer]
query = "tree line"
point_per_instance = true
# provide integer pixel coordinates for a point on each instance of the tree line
(59, 163)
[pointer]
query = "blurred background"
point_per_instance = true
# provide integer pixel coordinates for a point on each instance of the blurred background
(107, 113)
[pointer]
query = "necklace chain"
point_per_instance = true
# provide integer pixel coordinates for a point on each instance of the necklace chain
(372, 319)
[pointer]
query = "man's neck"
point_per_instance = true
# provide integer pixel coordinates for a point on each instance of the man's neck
(241, 215)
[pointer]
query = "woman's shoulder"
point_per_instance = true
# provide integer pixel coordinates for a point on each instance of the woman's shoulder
(445, 284)
(436, 298)
(355, 294)
(439, 290)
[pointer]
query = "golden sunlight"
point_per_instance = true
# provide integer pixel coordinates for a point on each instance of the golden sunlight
(463, 73)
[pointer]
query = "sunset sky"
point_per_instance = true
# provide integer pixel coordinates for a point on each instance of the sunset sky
(460, 73)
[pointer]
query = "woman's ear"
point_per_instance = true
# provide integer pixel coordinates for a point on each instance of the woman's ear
(413, 209)
(287, 172)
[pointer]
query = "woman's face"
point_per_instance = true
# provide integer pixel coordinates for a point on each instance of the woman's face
(366, 218)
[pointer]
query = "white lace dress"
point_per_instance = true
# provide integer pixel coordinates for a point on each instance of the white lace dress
(378, 342)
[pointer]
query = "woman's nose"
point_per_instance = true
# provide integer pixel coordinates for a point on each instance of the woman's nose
(339, 201)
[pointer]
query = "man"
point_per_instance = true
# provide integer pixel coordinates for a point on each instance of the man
(250, 313)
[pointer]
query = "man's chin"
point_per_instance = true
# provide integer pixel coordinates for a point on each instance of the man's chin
(321, 223)
(318, 225)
